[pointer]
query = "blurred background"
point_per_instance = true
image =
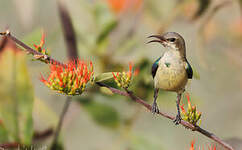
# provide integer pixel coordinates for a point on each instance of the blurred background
(112, 33)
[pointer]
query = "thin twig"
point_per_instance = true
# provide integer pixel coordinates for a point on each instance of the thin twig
(41, 135)
(130, 94)
(9, 145)
(58, 129)
(29, 50)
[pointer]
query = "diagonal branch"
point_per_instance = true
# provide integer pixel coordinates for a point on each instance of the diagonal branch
(29, 50)
(130, 94)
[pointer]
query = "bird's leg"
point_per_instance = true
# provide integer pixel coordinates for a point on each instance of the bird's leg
(178, 116)
(155, 108)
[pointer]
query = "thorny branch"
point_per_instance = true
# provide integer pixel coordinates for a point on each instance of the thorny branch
(130, 94)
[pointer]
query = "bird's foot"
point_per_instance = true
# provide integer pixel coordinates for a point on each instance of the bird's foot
(178, 119)
(155, 109)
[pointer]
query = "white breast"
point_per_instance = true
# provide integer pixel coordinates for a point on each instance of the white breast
(171, 73)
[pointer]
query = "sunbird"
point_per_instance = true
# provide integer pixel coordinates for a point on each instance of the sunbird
(171, 70)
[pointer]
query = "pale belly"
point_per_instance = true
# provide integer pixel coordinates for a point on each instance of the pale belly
(171, 78)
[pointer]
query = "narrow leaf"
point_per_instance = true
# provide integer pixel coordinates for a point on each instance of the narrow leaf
(104, 76)
(106, 31)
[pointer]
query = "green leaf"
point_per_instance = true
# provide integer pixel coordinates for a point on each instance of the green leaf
(142, 143)
(16, 96)
(104, 76)
(33, 37)
(106, 31)
(104, 115)
(3, 133)
(57, 146)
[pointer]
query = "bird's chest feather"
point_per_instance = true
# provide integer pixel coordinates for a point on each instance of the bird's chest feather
(171, 73)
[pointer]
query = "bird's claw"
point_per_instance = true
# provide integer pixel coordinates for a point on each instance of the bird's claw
(178, 119)
(155, 109)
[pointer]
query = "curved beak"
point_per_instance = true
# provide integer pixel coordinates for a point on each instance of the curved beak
(160, 39)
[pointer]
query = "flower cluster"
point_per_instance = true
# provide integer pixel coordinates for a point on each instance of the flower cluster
(123, 79)
(71, 78)
(191, 115)
(212, 147)
(39, 48)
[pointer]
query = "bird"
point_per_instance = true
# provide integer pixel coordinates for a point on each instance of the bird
(171, 70)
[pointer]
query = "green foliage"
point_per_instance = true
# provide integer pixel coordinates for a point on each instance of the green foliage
(106, 31)
(16, 98)
(142, 143)
(103, 114)
(104, 77)
(32, 37)
(57, 146)
(3, 133)
(142, 85)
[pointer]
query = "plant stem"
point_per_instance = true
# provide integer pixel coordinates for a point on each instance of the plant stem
(58, 128)
(130, 94)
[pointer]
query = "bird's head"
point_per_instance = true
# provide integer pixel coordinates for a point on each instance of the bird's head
(171, 40)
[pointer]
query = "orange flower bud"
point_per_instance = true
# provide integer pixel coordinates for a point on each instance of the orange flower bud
(114, 76)
(42, 42)
(39, 47)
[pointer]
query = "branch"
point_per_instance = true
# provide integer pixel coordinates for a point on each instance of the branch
(29, 50)
(54, 144)
(41, 135)
(9, 145)
(130, 94)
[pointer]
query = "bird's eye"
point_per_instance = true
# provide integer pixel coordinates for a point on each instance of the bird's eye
(172, 39)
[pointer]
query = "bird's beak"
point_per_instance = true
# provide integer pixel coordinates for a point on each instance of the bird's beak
(160, 39)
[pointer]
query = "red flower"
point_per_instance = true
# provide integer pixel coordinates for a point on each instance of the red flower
(39, 47)
(192, 115)
(115, 76)
(212, 147)
(70, 79)
(182, 108)
(120, 6)
(192, 145)
(188, 99)
(129, 73)
(123, 80)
